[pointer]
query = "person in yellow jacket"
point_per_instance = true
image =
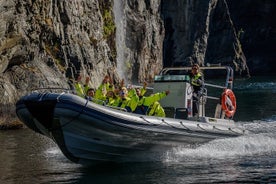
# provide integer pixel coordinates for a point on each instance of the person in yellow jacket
(104, 87)
(125, 102)
(85, 91)
(90, 95)
(132, 91)
(129, 98)
(145, 102)
(111, 99)
(81, 90)
(197, 82)
(156, 110)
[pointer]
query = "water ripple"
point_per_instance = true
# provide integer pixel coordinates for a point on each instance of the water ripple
(256, 86)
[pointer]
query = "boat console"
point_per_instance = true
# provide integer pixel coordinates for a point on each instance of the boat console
(178, 104)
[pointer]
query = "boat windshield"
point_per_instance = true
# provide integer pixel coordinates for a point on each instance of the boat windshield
(171, 78)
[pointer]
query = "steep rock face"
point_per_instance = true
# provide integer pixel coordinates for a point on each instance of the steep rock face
(186, 31)
(144, 34)
(45, 43)
(256, 22)
(201, 32)
(223, 42)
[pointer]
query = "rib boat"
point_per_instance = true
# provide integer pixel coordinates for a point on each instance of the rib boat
(91, 133)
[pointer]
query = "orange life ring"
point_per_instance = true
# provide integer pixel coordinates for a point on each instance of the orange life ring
(228, 102)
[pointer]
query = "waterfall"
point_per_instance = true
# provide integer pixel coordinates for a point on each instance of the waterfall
(120, 22)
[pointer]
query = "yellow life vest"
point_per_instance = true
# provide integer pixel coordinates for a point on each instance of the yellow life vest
(195, 78)
(156, 110)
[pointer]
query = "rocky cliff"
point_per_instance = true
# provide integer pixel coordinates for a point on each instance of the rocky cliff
(256, 22)
(47, 43)
(143, 34)
(202, 32)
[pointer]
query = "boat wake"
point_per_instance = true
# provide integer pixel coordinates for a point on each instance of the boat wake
(261, 141)
(267, 125)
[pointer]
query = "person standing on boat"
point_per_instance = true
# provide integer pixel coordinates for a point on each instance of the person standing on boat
(197, 82)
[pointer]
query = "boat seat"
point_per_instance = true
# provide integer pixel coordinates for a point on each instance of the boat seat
(181, 113)
(169, 111)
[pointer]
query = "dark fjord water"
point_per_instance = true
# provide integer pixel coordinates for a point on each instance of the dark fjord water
(27, 157)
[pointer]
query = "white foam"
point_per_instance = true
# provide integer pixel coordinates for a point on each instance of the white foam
(251, 145)
(52, 151)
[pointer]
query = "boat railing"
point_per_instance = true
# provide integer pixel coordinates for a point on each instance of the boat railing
(215, 86)
(186, 70)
